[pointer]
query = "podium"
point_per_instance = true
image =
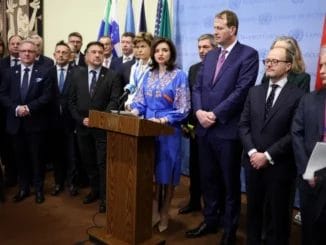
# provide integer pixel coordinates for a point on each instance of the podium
(130, 164)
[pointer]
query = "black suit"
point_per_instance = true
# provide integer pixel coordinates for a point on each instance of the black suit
(81, 61)
(307, 130)
(62, 128)
(27, 132)
(194, 189)
(272, 182)
(92, 142)
(44, 62)
(124, 71)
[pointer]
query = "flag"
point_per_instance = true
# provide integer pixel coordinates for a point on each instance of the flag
(110, 27)
(142, 19)
(319, 83)
(104, 26)
(130, 23)
(162, 23)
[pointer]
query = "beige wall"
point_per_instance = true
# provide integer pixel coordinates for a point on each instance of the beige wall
(64, 16)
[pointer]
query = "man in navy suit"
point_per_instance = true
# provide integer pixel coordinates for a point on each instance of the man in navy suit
(25, 94)
(265, 131)
(308, 128)
(93, 88)
(61, 123)
(13, 49)
(206, 43)
(218, 97)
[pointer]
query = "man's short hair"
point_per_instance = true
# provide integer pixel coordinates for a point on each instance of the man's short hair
(62, 43)
(209, 37)
(75, 34)
(231, 19)
(128, 34)
(94, 43)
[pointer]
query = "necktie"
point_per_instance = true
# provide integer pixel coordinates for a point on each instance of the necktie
(324, 137)
(15, 62)
(270, 99)
(93, 82)
(24, 85)
(219, 64)
(61, 79)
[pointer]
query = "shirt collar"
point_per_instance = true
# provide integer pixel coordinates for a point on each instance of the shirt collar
(281, 83)
(62, 67)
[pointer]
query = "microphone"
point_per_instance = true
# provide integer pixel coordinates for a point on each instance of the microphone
(128, 89)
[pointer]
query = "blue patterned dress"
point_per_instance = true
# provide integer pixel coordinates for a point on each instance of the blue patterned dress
(169, 97)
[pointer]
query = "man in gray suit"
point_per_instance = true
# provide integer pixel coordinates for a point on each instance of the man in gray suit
(308, 128)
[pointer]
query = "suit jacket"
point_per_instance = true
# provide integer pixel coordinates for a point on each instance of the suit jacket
(272, 134)
(227, 95)
(192, 74)
(115, 63)
(124, 71)
(308, 127)
(302, 80)
(44, 62)
(81, 61)
(37, 100)
(60, 116)
(5, 63)
(105, 97)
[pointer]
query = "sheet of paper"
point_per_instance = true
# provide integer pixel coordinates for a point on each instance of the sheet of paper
(316, 161)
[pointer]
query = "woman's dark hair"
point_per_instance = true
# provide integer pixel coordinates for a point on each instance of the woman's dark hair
(170, 65)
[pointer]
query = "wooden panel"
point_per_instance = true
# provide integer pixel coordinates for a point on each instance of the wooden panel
(127, 124)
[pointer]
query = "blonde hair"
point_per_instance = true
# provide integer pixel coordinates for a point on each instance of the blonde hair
(298, 65)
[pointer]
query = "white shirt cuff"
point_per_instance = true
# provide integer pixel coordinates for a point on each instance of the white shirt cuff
(252, 151)
(269, 158)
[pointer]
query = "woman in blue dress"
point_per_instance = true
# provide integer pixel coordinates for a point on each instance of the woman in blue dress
(164, 98)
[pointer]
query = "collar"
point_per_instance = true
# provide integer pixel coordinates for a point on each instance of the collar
(281, 83)
(62, 67)
(22, 67)
(230, 47)
(97, 69)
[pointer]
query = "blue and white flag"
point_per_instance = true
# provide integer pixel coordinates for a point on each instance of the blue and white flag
(110, 27)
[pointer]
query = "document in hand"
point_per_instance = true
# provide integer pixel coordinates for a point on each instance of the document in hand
(316, 161)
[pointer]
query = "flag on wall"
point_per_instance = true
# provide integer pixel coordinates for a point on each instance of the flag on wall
(318, 83)
(130, 23)
(162, 23)
(110, 27)
(142, 18)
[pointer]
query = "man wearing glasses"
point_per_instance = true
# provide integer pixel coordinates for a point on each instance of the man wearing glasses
(269, 162)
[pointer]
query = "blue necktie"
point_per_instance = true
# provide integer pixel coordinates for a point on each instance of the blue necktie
(24, 85)
(61, 79)
(93, 82)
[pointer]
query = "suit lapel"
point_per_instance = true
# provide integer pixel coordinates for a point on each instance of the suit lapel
(33, 80)
(99, 80)
(280, 101)
(17, 80)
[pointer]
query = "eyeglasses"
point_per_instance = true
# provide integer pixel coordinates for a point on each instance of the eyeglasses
(273, 61)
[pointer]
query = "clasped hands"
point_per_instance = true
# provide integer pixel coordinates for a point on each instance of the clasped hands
(22, 111)
(258, 160)
(206, 118)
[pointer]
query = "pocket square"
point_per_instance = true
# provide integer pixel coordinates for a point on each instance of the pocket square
(39, 79)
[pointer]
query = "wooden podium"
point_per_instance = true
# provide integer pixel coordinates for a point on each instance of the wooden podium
(130, 158)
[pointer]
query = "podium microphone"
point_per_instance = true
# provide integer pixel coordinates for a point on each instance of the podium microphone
(128, 89)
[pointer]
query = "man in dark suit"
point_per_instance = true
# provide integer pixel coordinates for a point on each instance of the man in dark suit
(218, 96)
(206, 43)
(109, 60)
(268, 156)
(41, 60)
(13, 49)
(25, 94)
(93, 88)
(61, 122)
(76, 39)
(127, 48)
(308, 128)
(10, 173)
